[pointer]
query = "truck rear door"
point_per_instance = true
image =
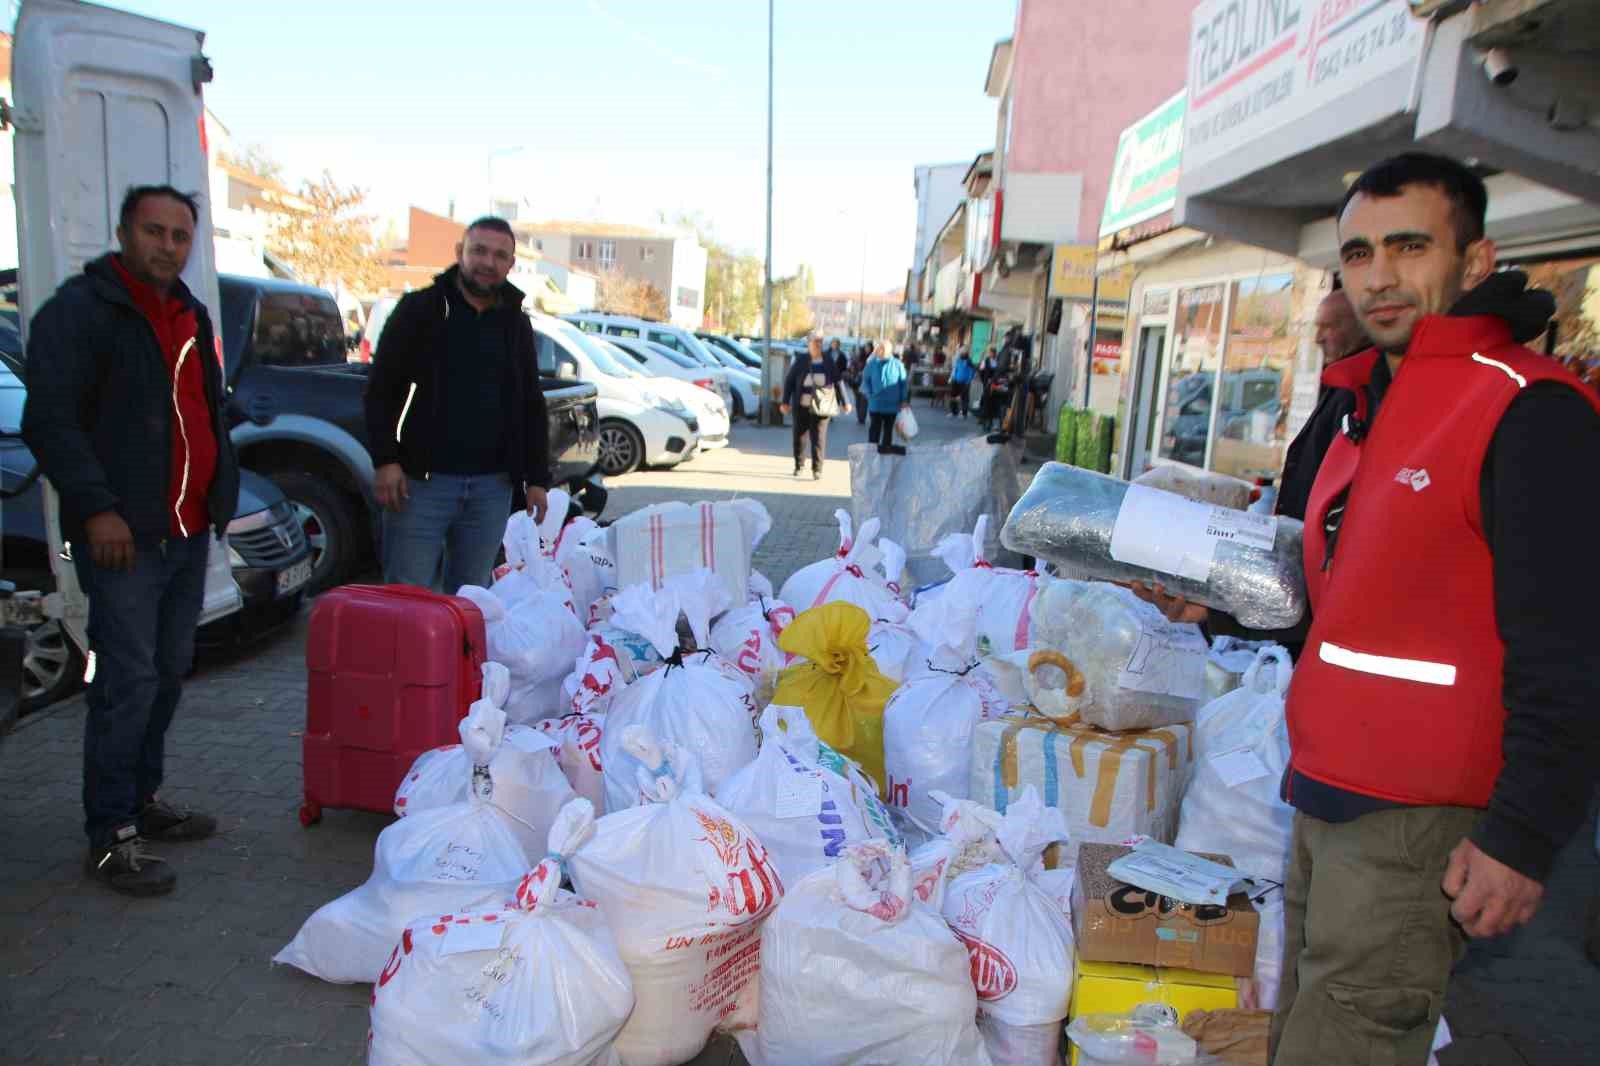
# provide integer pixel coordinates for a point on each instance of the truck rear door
(104, 100)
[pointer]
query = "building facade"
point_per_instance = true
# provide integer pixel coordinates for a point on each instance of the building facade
(877, 316)
(672, 261)
(939, 191)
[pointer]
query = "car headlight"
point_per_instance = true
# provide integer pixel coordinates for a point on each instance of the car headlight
(235, 559)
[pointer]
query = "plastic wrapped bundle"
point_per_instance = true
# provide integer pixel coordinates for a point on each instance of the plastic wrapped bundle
(1248, 565)
(1137, 670)
(1203, 486)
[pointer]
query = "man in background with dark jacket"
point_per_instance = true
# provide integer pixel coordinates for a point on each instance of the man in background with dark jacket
(124, 415)
(456, 418)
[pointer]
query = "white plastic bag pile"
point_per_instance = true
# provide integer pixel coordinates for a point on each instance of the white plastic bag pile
(698, 700)
(806, 814)
(1005, 623)
(929, 721)
(459, 859)
(747, 636)
(577, 741)
(684, 886)
(611, 660)
(1019, 938)
(532, 631)
(852, 575)
(967, 840)
(654, 544)
(1140, 671)
(1232, 806)
(858, 971)
(538, 982)
(524, 779)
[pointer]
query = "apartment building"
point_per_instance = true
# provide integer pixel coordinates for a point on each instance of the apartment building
(671, 260)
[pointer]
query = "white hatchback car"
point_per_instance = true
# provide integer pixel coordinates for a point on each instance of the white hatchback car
(660, 364)
(638, 425)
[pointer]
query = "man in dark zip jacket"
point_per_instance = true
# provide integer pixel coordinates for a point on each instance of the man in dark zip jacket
(456, 418)
(1442, 724)
(125, 417)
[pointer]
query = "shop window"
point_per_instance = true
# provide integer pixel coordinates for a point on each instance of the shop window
(1256, 389)
(1196, 355)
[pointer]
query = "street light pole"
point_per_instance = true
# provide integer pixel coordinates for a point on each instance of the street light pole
(767, 411)
(861, 296)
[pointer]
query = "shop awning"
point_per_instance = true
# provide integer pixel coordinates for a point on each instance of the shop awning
(1285, 99)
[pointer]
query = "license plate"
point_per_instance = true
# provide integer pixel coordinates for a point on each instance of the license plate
(294, 577)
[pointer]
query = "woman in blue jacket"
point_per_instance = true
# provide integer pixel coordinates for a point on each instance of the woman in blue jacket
(961, 376)
(887, 390)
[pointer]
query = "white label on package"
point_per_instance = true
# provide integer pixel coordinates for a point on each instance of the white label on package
(799, 795)
(1173, 535)
(474, 936)
(1178, 875)
(1169, 659)
(1239, 766)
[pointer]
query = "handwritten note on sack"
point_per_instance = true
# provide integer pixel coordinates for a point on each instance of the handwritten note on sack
(1173, 535)
(1168, 659)
(799, 795)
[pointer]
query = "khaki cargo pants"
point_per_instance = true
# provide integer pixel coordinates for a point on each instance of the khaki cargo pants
(1368, 939)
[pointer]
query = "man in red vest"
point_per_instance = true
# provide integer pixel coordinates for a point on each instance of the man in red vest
(1442, 718)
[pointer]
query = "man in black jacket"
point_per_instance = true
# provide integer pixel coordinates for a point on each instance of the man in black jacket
(124, 416)
(456, 418)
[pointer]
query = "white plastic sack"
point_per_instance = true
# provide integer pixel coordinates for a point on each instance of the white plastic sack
(747, 636)
(1232, 807)
(1261, 991)
(967, 839)
(851, 575)
(905, 424)
(454, 860)
(856, 971)
(581, 553)
(611, 660)
(539, 983)
(684, 886)
(577, 741)
(536, 637)
(806, 815)
(1019, 939)
(1005, 623)
(524, 779)
(1140, 670)
(1226, 663)
(656, 543)
(897, 650)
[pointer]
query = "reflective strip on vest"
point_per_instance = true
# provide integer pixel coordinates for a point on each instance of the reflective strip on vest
(1419, 670)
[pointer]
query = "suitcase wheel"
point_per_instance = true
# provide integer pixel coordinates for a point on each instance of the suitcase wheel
(310, 814)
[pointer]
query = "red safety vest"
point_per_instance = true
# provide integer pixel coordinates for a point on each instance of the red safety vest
(1398, 694)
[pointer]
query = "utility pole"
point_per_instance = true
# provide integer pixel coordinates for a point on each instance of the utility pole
(769, 414)
(861, 296)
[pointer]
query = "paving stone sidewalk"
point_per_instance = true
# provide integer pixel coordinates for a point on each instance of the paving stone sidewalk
(89, 977)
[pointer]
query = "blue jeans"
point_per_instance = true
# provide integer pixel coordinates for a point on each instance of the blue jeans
(141, 630)
(448, 532)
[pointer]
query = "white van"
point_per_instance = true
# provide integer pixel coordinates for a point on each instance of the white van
(104, 100)
(638, 426)
(674, 337)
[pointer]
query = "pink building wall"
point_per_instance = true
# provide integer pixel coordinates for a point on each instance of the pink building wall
(1082, 72)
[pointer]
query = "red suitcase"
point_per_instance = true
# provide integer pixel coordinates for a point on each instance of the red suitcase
(391, 670)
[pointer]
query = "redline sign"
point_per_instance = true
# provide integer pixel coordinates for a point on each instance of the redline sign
(1238, 39)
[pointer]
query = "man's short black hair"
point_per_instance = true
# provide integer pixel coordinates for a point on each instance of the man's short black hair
(494, 224)
(1469, 199)
(137, 195)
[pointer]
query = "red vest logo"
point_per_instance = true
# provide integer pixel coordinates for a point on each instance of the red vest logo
(992, 973)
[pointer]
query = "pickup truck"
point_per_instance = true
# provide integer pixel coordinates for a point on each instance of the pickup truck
(297, 418)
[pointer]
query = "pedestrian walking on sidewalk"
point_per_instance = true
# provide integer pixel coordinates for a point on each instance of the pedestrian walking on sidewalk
(1442, 719)
(813, 392)
(961, 375)
(456, 418)
(124, 415)
(887, 391)
(853, 378)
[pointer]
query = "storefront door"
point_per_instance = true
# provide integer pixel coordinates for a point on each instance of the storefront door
(1147, 393)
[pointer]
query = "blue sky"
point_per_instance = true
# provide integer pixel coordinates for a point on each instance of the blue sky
(621, 108)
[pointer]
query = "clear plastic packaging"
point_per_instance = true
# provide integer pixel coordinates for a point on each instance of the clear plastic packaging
(1209, 555)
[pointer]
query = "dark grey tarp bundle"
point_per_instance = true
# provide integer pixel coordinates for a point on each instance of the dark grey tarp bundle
(931, 491)
(1099, 527)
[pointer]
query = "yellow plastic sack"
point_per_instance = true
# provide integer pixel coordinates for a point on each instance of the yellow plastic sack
(838, 685)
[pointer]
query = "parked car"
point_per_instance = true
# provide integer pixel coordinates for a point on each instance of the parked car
(674, 337)
(377, 318)
(749, 359)
(637, 425)
(299, 417)
(655, 361)
(269, 557)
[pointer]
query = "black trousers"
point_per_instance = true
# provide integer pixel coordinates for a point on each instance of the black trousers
(807, 425)
(881, 432)
(961, 399)
(861, 405)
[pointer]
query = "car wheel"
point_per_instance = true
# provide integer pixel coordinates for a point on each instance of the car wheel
(52, 666)
(738, 407)
(621, 448)
(329, 521)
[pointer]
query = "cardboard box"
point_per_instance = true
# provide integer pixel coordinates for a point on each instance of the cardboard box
(1117, 922)
(1117, 988)
(1111, 786)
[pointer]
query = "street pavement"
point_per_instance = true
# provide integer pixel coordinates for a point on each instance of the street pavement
(89, 977)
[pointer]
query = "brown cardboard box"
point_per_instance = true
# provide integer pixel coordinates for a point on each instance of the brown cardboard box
(1116, 922)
